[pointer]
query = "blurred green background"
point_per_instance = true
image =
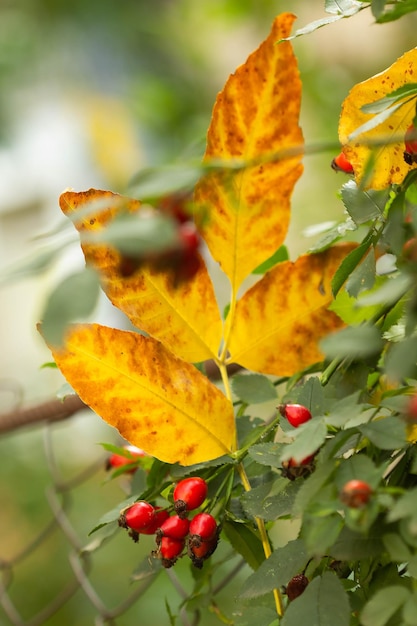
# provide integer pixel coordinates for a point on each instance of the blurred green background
(90, 92)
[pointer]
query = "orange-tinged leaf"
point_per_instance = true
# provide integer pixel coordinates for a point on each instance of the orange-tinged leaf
(280, 320)
(389, 164)
(185, 317)
(255, 115)
(155, 400)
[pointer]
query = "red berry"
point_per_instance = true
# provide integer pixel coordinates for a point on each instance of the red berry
(199, 552)
(118, 460)
(341, 164)
(170, 549)
(296, 586)
(175, 527)
(410, 143)
(356, 493)
(189, 494)
(189, 237)
(411, 411)
(410, 250)
(139, 516)
(306, 461)
(175, 204)
(158, 519)
(203, 527)
(296, 414)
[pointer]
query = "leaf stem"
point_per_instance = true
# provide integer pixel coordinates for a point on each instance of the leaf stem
(264, 536)
(247, 486)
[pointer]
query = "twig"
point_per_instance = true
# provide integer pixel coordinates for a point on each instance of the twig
(49, 411)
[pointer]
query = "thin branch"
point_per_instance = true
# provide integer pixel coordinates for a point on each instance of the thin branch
(49, 411)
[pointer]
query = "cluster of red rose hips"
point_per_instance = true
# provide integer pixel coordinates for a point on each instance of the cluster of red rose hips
(175, 534)
(182, 259)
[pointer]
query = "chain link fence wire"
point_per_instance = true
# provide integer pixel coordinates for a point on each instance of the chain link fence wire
(52, 573)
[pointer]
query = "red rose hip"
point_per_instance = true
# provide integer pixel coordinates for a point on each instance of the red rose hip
(175, 527)
(296, 414)
(139, 516)
(170, 549)
(356, 493)
(341, 164)
(203, 527)
(189, 494)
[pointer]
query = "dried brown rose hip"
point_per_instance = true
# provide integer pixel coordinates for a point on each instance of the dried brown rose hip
(296, 586)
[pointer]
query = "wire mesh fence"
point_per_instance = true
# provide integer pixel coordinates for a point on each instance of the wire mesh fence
(53, 573)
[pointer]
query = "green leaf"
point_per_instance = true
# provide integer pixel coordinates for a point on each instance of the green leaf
(350, 262)
(333, 235)
(253, 388)
(342, 7)
(72, 300)
(277, 570)
(254, 613)
(354, 546)
(389, 291)
(363, 205)
(375, 121)
(147, 569)
(410, 610)
(245, 542)
(323, 603)
(309, 437)
(363, 276)
(312, 485)
(319, 533)
(312, 26)
(396, 547)
(35, 262)
(387, 433)
(346, 307)
(267, 453)
(400, 9)
(401, 360)
(271, 501)
(356, 342)
(360, 467)
(410, 89)
(280, 255)
(152, 183)
(136, 235)
(113, 514)
(406, 506)
(377, 7)
(383, 604)
(311, 395)
(103, 534)
(344, 410)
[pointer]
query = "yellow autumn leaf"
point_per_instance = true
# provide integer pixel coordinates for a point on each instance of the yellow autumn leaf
(255, 115)
(389, 165)
(155, 400)
(185, 317)
(280, 320)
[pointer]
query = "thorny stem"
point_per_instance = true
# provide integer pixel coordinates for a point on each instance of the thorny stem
(247, 486)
